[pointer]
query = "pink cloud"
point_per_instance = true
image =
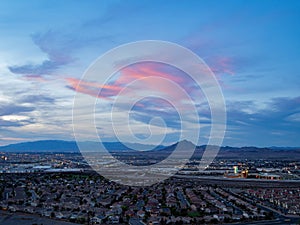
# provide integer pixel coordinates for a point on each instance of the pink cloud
(222, 65)
(132, 73)
(92, 88)
(34, 77)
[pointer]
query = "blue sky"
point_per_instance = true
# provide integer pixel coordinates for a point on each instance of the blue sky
(251, 46)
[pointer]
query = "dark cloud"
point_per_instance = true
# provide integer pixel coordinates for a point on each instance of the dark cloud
(37, 99)
(57, 48)
(151, 107)
(7, 123)
(59, 45)
(275, 124)
(13, 109)
(290, 105)
(47, 67)
(171, 120)
(273, 114)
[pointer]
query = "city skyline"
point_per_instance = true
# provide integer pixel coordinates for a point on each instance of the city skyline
(251, 46)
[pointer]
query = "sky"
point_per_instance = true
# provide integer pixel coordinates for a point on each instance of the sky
(252, 47)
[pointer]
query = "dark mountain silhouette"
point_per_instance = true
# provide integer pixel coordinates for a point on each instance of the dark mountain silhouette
(70, 146)
(159, 151)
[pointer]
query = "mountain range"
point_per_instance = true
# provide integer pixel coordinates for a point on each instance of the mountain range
(71, 146)
(55, 146)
